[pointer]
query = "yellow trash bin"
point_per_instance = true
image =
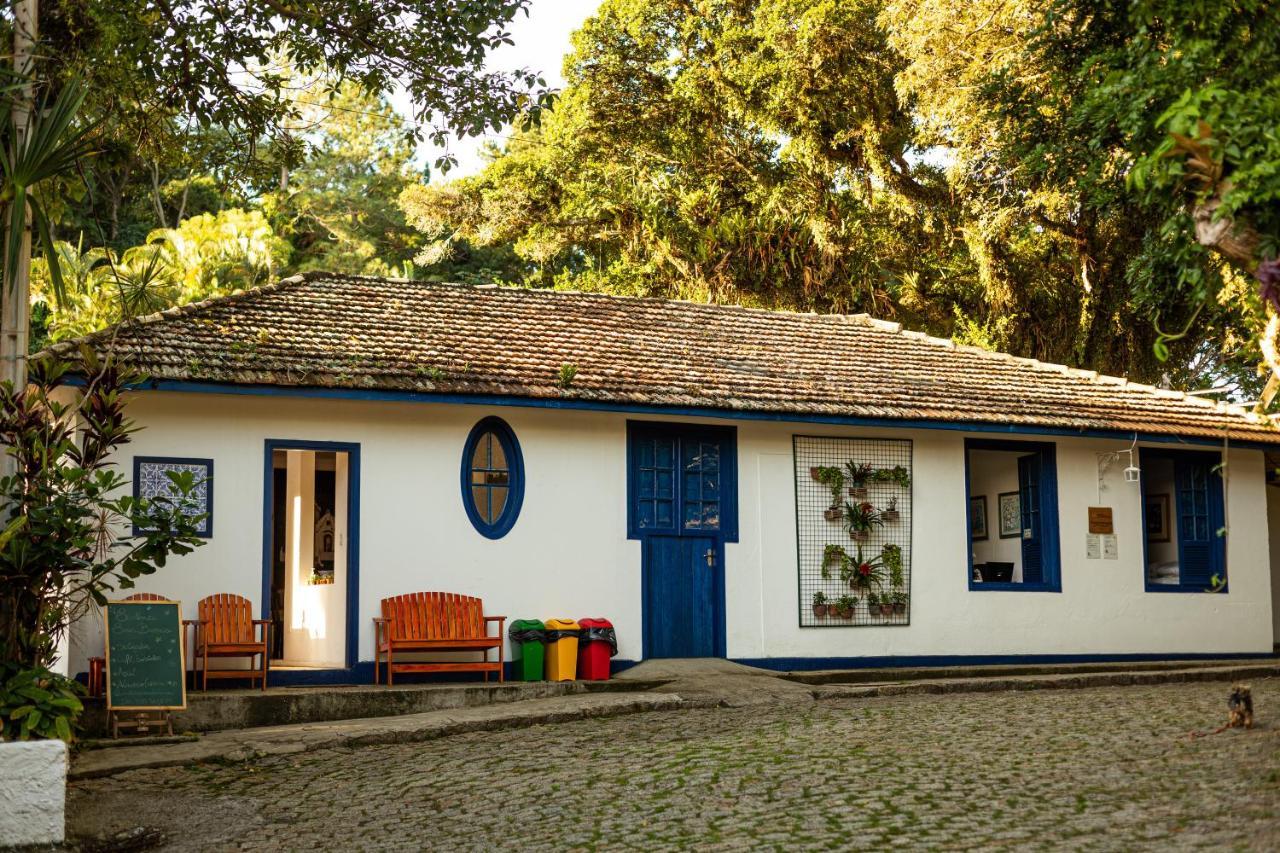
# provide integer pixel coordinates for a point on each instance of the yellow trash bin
(562, 649)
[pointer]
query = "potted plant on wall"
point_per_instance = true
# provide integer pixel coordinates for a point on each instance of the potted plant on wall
(886, 604)
(864, 574)
(833, 556)
(899, 598)
(873, 604)
(890, 513)
(844, 606)
(833, 479)
(858, 475)
(860, 519)
(819, 604)
(891, 558)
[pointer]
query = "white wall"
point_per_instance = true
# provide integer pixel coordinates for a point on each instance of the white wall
(568, 555)
(1273, 523)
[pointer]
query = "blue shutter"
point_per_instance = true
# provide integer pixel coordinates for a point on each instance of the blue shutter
(1031, 497)
(1200, 511)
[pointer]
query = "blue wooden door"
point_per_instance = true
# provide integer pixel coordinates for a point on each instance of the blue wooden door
(681, 488)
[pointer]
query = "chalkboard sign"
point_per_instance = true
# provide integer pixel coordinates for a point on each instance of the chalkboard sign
(146, 668)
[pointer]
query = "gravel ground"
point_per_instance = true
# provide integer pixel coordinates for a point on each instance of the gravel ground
(1103, 768)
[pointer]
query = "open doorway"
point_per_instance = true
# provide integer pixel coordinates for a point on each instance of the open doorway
(310, 558)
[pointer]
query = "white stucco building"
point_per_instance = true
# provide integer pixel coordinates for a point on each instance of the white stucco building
(668, 466)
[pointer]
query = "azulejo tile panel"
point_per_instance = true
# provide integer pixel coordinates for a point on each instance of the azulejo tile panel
(151, 481)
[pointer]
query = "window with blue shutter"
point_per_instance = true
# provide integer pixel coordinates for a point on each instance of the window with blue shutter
(1012, 504)
(1184, 518)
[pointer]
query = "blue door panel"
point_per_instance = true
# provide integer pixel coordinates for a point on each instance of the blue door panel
(683, 508)
(679, 596)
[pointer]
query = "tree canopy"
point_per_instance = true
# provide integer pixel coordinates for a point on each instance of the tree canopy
(991, 170)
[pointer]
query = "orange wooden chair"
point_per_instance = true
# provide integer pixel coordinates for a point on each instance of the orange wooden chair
(226, 629)
(435, 622)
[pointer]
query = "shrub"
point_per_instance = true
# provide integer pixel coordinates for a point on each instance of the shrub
(37, 703)
(66, 517)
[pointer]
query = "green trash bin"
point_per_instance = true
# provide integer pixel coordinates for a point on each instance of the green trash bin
(528, 649)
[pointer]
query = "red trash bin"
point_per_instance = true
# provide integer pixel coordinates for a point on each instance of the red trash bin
(597, 644)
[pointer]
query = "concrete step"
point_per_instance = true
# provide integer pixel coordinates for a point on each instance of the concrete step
(221, 710)
(880, 675)
(245, 744)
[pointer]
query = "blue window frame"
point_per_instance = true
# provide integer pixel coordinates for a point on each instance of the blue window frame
(1034, 465)
(492, 477)
(1184, 551)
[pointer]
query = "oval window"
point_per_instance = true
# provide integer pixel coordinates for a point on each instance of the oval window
(492, 477)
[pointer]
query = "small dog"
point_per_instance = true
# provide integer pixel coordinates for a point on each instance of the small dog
(1239, 711)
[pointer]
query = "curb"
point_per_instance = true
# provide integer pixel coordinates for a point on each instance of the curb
(244, 745)
(1043, 682)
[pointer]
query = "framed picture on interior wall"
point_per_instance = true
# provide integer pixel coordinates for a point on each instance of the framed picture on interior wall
(1010, 510)
(1157, 512)
(978, 518)
(151, 481)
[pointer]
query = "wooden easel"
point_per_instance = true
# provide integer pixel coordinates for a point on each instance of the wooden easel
(146, 717)
(142, 722)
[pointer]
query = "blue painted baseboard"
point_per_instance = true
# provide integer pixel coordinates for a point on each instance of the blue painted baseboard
(803, 664)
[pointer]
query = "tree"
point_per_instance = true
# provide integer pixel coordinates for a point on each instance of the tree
(67, 528)
(945, 164)
(340, 174)
(677, 163)
(178, 85)
(206, 255)
(1047, 111)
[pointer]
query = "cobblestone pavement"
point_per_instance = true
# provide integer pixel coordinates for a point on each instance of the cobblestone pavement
(1104, 768)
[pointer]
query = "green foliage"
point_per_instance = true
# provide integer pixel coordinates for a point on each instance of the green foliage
(206, 255)
(336, 196)
(861, 518)
(833, 478)
(48, 151)
(68, 517)
(849, 156)
(165, 75)
(891, 558)
(37, 704)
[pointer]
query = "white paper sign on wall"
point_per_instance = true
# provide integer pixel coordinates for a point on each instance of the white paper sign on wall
(1093, 546)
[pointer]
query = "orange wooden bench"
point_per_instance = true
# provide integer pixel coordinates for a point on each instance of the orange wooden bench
(435, 622)
(226, 629)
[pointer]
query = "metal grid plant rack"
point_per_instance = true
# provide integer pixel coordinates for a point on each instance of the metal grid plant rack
(821, 568)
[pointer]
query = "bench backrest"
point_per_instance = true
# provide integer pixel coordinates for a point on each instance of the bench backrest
(434, 616)
(146, 596)
(228, 618)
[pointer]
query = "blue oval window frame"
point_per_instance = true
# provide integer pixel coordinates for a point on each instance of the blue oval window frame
(482, 519)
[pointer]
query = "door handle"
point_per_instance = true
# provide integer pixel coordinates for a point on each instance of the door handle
(711, 558)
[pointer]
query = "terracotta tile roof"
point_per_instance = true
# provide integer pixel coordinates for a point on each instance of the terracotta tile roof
(323, 330)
